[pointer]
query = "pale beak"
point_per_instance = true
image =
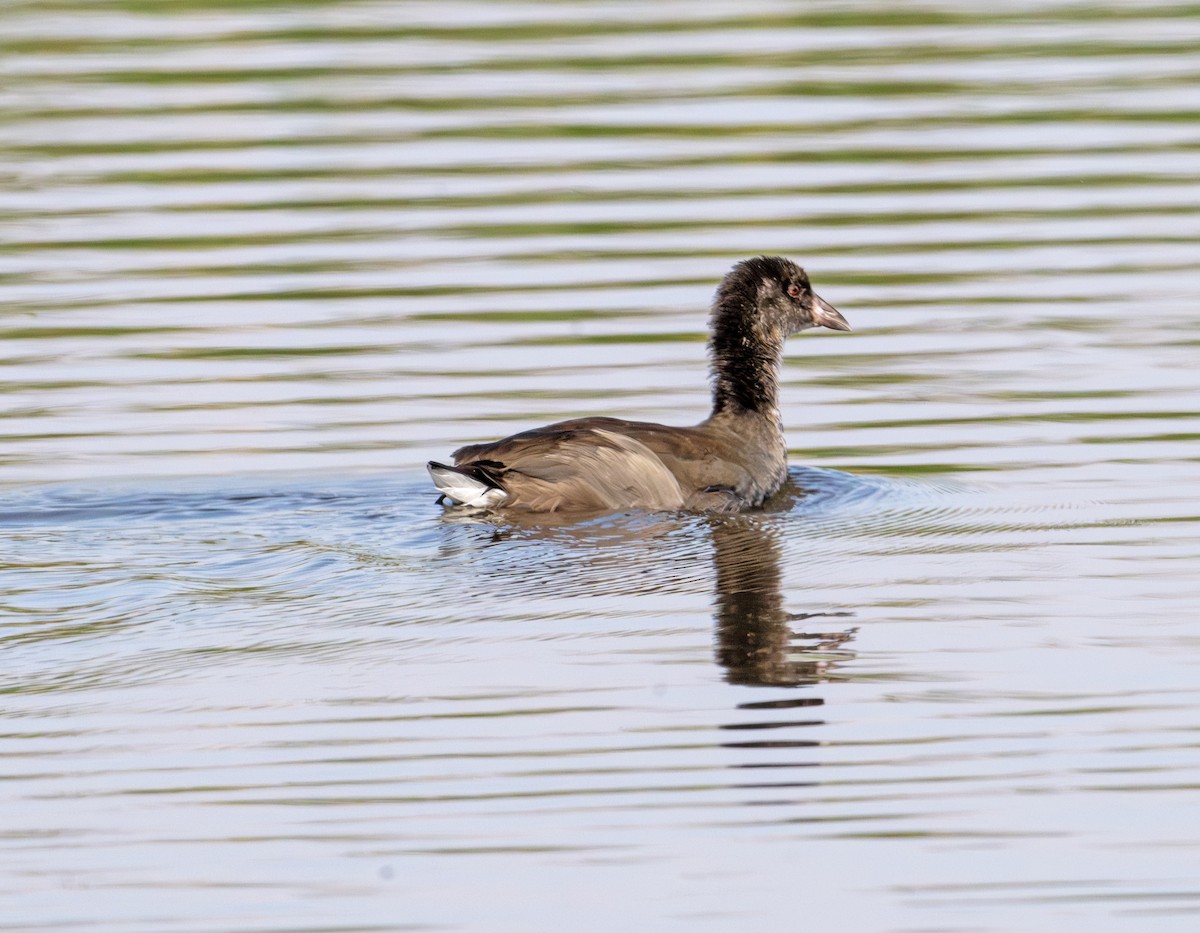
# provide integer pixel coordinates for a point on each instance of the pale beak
(826, 315)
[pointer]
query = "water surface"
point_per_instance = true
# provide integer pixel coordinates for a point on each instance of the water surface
(261, 261)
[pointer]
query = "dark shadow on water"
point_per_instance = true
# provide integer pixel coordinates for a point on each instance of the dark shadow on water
(758, 641)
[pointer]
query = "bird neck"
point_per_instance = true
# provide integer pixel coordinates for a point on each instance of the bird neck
(744, 360)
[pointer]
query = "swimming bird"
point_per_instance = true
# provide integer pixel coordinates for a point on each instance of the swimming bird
(734, 459)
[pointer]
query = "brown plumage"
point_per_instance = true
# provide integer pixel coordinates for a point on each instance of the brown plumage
(733, 459)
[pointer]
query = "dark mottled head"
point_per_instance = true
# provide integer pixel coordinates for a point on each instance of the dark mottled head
(759, 304)
(774, 292)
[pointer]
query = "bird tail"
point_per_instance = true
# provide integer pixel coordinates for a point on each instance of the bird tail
(466, 486)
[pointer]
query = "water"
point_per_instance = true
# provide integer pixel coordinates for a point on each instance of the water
(262, 260)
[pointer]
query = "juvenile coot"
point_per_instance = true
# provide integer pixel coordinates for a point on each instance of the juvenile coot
(733, 459)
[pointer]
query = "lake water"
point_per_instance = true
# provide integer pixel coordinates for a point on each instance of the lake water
(262, 260)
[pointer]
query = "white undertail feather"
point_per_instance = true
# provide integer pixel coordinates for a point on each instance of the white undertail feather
(465, 490)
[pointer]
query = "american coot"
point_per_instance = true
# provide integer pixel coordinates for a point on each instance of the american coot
(733, 459)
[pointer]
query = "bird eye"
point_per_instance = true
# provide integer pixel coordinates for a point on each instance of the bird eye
(794, 290)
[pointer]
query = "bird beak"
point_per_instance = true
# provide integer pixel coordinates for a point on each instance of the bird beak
(826, 315)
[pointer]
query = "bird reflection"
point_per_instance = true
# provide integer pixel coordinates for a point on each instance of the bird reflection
(758, 642)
